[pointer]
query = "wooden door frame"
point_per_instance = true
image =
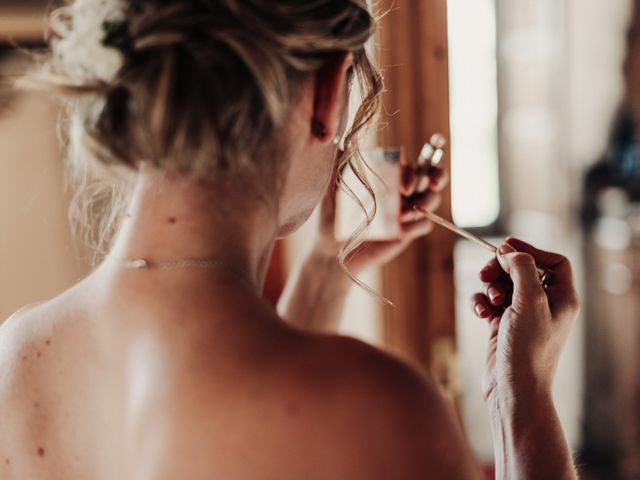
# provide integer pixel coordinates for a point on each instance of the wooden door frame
(413, 54)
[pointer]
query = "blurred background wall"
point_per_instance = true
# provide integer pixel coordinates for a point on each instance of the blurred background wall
(559, 84)
(38, 257)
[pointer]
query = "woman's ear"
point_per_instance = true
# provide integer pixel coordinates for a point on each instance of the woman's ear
(331, 97)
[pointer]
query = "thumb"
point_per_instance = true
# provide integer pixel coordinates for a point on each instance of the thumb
(521, 267)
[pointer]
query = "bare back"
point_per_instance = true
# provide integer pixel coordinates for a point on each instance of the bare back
(197, 386)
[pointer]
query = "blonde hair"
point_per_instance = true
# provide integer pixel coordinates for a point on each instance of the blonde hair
(202, 85)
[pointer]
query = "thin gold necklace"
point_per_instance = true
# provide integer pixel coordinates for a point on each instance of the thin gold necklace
(146, 264)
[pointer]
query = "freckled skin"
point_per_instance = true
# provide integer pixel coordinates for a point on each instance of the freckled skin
(210, 381)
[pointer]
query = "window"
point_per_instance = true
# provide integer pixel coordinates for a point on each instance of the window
(474, 112)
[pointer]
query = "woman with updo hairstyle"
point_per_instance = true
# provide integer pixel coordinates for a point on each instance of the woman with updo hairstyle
(198, 132)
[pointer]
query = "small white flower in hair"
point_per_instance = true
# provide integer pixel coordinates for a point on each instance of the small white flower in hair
(82, 31)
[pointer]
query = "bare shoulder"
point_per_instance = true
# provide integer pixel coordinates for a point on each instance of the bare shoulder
(364, 370)
(17, 331)
(397, 391)
(20, 336)
(29, 324)
(346, 405)
(405, 425)
(357, 369)
(30, 339)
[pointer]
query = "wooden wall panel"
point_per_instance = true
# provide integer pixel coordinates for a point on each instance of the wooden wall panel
(22, 25)
(413, 55)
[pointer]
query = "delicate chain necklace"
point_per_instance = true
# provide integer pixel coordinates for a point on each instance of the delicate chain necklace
(144, 264)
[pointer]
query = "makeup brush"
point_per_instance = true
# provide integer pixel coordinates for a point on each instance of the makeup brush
(545, 275)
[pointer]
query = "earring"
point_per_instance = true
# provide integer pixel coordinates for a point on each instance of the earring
(318, 128)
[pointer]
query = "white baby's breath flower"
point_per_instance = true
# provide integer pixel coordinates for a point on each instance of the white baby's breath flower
(80, 46)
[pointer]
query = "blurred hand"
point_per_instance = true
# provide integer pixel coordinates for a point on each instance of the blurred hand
(529, 324)
(418, 188)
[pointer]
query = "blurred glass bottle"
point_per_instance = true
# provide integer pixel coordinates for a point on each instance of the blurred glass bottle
(611, 219)
(619, 169)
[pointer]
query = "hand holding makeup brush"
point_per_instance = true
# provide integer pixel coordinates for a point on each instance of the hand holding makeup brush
(529, 326)
(529, 323)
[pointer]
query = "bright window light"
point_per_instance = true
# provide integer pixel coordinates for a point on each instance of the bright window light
(474, 112)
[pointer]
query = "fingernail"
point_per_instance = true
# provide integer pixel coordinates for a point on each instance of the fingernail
(505, 249)
(423, 186)
(408, 216)
(494, 293)
(480, 310)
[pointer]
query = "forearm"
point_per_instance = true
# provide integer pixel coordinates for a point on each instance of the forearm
(315, 294)
(528, 438)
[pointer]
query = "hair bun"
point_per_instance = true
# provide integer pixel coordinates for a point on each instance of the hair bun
(196, 86)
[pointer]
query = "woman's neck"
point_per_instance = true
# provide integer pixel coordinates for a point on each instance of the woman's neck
(172, 219)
